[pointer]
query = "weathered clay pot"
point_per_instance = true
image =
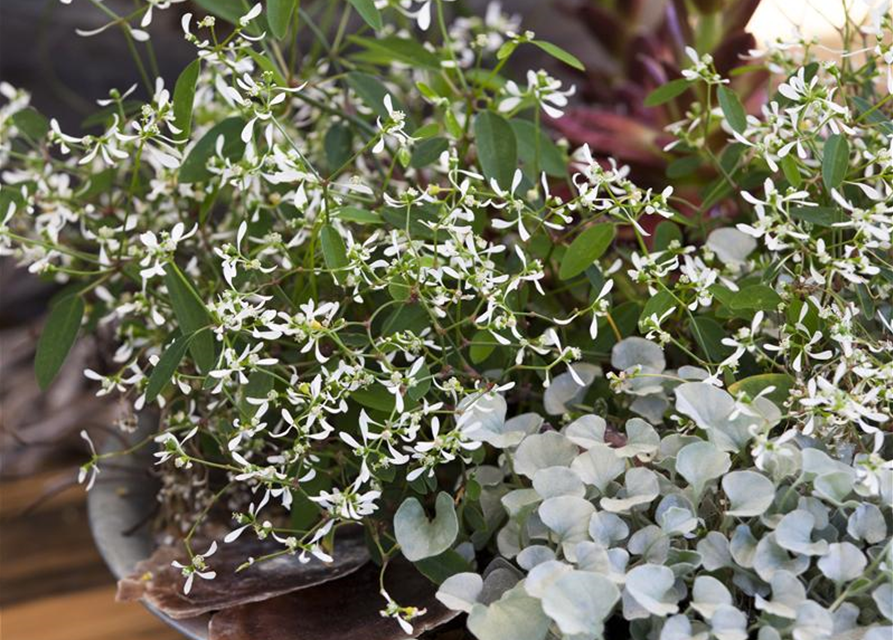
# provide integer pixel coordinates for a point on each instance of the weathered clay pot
(313, 602)
(119, 508)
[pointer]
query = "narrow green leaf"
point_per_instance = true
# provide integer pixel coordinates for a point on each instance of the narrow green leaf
(732, 108)
(873, 115)
(167, 365)
(708, 333)
(586, 248)
(338, 144)
(57, 338)
(32, 123)
(368, 12)
(372, 92)
(683, 167)
(438, 568)
(428, 131)
(334, 251)
(666, 92)
(422, 383)
(560, 54)
(428, 151)
(819, 216)
(358, 216)
(279, 13)
(260, 383)
(375, 397)
(394, 48)
(552, 159)
(507, 49)
(656, 305)
(835, 161)
(194, 167)
(192, 317)
(666, 232)
(483, 344)
(756, 297)
(755, 384)
(184, 97)
(266, 64)
(791, 170)
(231, 11)
(497, 147)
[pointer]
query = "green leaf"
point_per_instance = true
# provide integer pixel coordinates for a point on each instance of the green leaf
(372, 92)
(279, 13)
(57, 338)
(507, 49)
(260, 383)
(873, 114)
(428, 151)
(184, 97)
(559, 54)
(192, 317)
(791, 170)
(358, 216)
(167, 365)
(438, 568)
(267, 65)
(194, 167)
(375, 397)
(666, 92)
(657, 305)
(412, 317)
(819, 216)
(756, 297)
(665, 233)
(367, 11)
(338, 144)
(484, 345)
(334, 252)
(732, 108)
(231, 11)
(428, 131)
(835, 161)
(586, 248)
(497, 147)
(683, 167)
(399, 289)
(394, 48)
(753, 385)
(708, 333)
(31, 123)
(422, 383)
(552, 160)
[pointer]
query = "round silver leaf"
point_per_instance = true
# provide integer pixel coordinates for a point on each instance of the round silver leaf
(543, 450)
(843, 562)
(750, 493)
(580, 601)
(421, 538)
(459, 592)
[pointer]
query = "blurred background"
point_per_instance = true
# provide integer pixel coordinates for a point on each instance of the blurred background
(53, 584)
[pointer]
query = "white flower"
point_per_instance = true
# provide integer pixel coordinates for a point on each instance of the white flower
(392, 127)
(422, 14)
(401, 614)
(196, 567)
(511, 203)
(543, 89)
(89, 470)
